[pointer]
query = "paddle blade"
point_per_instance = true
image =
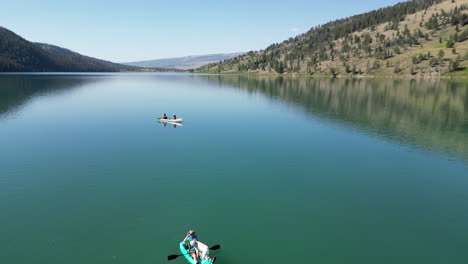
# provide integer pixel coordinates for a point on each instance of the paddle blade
(215, 247)
(171, 257)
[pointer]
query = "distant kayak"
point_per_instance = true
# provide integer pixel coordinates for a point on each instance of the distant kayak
(189, 258)
(178, 120)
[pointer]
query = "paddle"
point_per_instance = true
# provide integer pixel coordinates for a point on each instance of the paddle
(171, 257)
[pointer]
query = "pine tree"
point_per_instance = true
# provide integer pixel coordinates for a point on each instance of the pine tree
(456, 63)
(347, 68)
(450, 44)
(376, 65)
(441, 54)
(333, 72)
(450, 67)
(397, 68)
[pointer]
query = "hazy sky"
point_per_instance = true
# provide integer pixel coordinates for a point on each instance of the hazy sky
(123, 31)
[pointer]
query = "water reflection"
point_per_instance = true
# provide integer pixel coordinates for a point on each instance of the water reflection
(174, 125)
(17, 90)
(428, 114)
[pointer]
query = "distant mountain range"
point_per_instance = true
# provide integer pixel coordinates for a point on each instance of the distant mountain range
(185, 63)
(20, 55)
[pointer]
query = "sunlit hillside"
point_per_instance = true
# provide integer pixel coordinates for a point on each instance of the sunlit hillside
(415, 38)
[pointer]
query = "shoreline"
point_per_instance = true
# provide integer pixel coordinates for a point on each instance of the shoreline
(294, 75)
(351, 76)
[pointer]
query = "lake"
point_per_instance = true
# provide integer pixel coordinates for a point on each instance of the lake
(274, 169)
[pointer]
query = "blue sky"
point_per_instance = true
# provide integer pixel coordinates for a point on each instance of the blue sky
(135, 30)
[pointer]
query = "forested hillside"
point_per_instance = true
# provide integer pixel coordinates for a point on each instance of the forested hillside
(20, 55)
(419, 37)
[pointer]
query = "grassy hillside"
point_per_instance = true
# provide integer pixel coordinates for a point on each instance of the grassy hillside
(20, 55)
(415, 38)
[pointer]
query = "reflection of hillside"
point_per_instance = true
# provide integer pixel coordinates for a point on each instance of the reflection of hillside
(17, 90)
(429, 114)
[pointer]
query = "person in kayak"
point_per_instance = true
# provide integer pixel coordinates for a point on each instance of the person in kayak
(191, 236)
(196, 248)
(175, 117)
(164, 116)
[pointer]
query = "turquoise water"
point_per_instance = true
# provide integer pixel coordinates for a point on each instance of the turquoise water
(276, 170)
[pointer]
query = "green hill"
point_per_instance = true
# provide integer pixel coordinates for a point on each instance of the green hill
(414, 38)
(20, 55)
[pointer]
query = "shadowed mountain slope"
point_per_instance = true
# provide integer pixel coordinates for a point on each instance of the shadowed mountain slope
(20, 55)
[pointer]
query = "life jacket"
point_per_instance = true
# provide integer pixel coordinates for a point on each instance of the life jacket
(192, 238)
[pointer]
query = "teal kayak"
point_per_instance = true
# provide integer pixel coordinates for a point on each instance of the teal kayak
(189, 258)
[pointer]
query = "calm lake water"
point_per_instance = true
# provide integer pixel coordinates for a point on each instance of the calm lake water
(276, 170)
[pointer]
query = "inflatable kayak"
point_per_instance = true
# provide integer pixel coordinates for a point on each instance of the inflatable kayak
(189, 258)
(178, 120)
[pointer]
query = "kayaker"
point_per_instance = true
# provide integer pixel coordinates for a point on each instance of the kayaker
(164, 116)
(196, 248)
(174, 117)
(191, 236)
